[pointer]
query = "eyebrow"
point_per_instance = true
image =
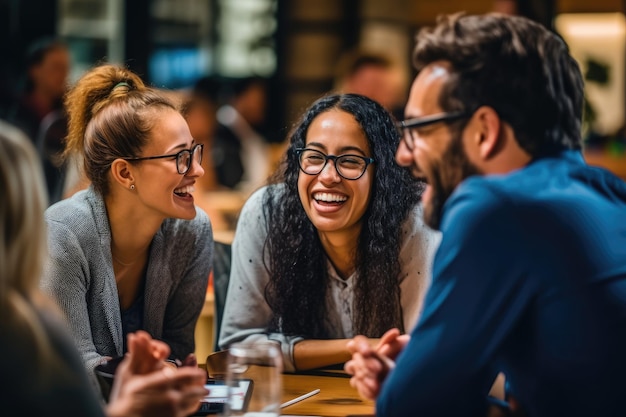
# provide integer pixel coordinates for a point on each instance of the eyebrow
(343, 150)
(181, 146)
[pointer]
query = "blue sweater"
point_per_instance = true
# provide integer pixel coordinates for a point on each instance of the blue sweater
(529, 280)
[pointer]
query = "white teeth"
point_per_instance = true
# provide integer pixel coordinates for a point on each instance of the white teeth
(185, 190)
(329, 198)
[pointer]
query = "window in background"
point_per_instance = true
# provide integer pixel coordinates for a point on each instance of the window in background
(94, 31)
(598, 42)
(246, 45)
(182, 42)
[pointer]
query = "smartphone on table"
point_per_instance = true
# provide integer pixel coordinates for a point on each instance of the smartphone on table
(217, 397)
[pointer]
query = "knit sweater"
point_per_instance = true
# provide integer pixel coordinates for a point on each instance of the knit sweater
(79, 276)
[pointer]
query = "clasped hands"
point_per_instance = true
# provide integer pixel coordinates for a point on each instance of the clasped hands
(370, 365)
(145, 385)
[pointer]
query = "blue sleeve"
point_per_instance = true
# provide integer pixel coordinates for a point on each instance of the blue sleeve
(479, 290)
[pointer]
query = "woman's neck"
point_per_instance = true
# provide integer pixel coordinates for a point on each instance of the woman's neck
(132, 231)
(341, 251)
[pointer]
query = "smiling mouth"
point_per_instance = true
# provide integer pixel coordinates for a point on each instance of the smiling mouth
(328, 198)
(185, 191)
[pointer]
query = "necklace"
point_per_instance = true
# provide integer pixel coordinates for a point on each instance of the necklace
(122, 263)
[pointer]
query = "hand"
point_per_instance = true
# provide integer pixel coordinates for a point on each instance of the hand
(190, 360)
(167, 393)
(144, 385)
(392, 343)
(147, 354)
(369, 365)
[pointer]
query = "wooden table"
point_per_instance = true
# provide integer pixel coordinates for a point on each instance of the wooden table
(336, 397)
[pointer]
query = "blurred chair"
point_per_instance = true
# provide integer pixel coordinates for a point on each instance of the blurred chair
(221, 276)
(216, 364)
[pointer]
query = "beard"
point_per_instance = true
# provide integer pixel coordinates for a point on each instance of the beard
(447, 173)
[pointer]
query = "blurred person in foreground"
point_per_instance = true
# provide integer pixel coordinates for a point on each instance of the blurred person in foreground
(335, 246)
(42, 370)
(530, 277)
(131, 252)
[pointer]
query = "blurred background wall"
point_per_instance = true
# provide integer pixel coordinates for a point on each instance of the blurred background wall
(295, 44)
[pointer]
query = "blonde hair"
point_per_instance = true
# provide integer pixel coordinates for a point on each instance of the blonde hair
(111, 115)
(22, 243)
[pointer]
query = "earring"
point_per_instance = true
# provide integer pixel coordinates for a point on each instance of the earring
(132, 186)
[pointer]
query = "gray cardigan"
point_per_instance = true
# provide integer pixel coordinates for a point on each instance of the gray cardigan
(79, 276)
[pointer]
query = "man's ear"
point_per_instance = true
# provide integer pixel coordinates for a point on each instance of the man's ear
(488, 134)
(122, 173)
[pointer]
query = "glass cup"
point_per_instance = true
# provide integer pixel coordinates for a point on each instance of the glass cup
(254, 380)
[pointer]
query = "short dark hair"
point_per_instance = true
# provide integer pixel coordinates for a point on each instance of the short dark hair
(514, 65)
(352, 62)
(37, 52)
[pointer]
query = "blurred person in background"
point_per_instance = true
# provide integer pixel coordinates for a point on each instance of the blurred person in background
(46, 81)
(200, 111)
(374, 75)
(240, 152)
(42, 371)
(39, 110)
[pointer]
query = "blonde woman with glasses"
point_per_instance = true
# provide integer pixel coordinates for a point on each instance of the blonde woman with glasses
(132, 252)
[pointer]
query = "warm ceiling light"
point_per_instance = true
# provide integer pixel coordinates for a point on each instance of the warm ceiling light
(590, 25)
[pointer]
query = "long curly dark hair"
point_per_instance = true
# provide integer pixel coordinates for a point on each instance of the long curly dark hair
(297, 262)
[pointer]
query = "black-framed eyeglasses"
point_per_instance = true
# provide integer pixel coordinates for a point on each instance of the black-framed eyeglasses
(184, 158)
(350, 167)
(407, 126)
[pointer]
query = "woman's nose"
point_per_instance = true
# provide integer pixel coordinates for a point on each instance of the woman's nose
(329, 172)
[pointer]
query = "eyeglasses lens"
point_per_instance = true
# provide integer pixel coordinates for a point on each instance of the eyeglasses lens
(348, 166)
(184, 159)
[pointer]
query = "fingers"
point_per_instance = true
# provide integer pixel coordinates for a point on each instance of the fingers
(190, 360)
(366, 390)
(393, 347)
(365, 376)
(141, 342)
(168, 393)
(368, 369)
(389, 337)
(191, 388)
(146, 353)
(358, 344)
(183, 387)
(188, 376)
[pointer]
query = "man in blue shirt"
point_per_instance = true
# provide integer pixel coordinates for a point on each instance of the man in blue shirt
(530, 277)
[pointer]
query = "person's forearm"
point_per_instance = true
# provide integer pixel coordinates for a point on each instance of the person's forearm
(311, 354)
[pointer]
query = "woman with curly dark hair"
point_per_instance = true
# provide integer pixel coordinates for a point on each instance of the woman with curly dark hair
(335, 245)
